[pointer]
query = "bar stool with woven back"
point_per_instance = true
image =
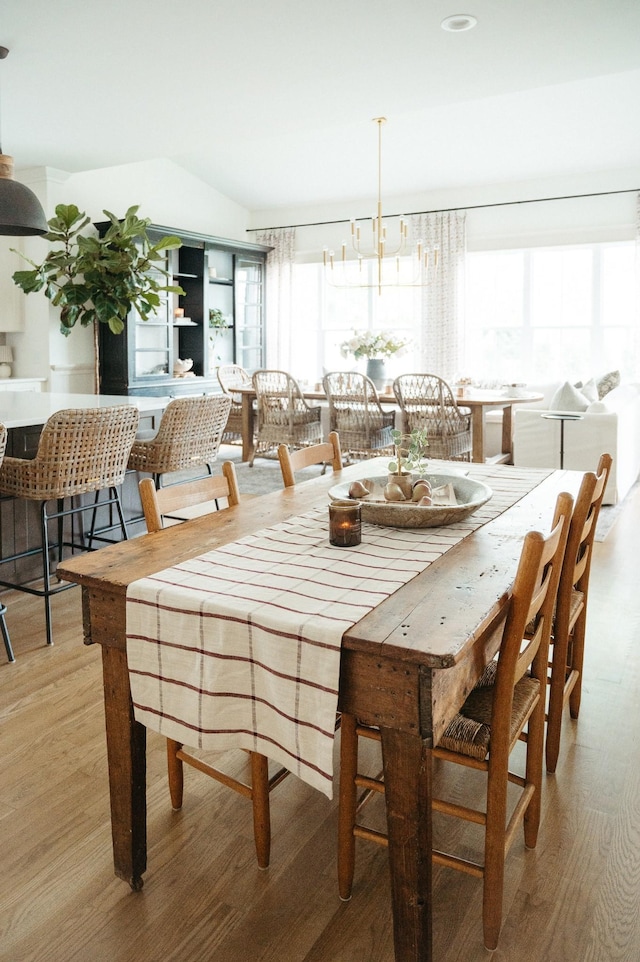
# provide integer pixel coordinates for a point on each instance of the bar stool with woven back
(427, 403)
(189, 436)
(171, 503)
(80, 451)
(506, 705)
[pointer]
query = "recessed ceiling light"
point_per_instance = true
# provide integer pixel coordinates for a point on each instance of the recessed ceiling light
(458, 22)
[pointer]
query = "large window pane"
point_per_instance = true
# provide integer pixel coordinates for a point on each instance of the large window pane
(561, 287)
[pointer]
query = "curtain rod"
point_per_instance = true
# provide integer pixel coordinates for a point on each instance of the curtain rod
(449, 210)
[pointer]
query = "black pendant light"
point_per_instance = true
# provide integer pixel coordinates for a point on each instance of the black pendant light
(21, 213)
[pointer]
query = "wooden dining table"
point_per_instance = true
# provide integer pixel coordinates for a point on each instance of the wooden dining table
(405, 667)
(479, 401)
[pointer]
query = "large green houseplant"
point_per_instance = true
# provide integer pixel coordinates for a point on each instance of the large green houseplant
(100, 279)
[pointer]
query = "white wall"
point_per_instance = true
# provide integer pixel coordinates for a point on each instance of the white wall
(165, 193)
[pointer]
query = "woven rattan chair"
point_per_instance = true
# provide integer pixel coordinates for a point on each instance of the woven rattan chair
(189, 436)
(508, 699)
(231, 377)
(284, 417)
(81, 451)
(569, 624)
(3, 608)
(427, 402)
(171, 503)
(356, 414)
(328, 452)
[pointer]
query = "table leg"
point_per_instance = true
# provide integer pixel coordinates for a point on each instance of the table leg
(126, 753)
(477, 433)
(248, 426)
(407, 777)
(507, 431)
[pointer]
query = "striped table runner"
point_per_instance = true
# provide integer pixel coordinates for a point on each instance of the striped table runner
(240, 647)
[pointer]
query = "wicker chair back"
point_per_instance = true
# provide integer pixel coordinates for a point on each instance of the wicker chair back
(189, 435)
(357, 416)
(80, 450)
(230, 377)
(427, 402)
(284, 416)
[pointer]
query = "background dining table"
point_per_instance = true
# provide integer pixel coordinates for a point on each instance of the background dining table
(406, 666)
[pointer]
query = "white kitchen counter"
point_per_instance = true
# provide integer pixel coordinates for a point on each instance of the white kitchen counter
(19, 409)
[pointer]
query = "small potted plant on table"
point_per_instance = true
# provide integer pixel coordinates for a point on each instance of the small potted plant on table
(410, 450)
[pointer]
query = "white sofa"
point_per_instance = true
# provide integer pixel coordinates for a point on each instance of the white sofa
(611, 425)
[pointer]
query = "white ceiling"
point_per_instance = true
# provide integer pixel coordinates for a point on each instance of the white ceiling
(271, 101)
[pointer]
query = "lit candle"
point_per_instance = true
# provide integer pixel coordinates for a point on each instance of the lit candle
(179, 312)
(344, 524)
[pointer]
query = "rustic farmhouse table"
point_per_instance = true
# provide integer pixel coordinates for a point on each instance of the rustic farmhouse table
(405, 667)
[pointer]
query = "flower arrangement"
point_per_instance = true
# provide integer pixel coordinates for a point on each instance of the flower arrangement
(370, 344)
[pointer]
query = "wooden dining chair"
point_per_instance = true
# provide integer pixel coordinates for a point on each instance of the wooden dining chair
(507, 704)
(169, 502)
(569, 624)
(327, 452)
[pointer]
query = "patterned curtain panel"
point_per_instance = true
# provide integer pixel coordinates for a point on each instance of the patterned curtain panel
(442, 310)
(279, 295)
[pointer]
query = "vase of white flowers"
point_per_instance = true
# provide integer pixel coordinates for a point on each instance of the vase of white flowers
(375, 346)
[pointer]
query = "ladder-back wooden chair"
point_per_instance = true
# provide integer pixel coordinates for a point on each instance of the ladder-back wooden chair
(508, 701)
(356, 414)
(172, 502)
(328, 452)
(569, 625)
(427, 403)
(284, 417)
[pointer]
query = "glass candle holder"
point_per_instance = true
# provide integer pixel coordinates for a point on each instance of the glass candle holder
(345, 528)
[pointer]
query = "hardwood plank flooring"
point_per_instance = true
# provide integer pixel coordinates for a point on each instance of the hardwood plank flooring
(574, 898)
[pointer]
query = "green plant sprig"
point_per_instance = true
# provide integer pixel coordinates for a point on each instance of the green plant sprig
(410, 450)
(100, 278)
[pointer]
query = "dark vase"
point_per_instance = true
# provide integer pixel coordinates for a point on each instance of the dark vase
(376, 371)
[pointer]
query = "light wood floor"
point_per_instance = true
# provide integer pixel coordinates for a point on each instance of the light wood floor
(574, 899)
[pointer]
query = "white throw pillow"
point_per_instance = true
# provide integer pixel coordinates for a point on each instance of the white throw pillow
(568, 398)
(590, 390)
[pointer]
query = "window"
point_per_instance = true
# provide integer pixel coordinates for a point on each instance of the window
(325, 316)
(544, 314)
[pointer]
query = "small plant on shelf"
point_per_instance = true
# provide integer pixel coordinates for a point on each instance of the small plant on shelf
(410, 451)
(218, 322)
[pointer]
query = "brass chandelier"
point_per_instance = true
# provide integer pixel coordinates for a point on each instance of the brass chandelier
(392, 266)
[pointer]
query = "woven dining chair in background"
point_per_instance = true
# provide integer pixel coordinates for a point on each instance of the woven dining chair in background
(356, 414)
(231, 377)
(427, 403)
(284, 417)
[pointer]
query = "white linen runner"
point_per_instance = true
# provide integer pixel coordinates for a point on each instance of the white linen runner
(240, 647)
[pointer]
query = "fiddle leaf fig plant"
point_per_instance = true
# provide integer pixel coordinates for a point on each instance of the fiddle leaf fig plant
(100, 279)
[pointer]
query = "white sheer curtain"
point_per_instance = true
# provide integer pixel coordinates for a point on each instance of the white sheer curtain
(279, 295)
(442, 309)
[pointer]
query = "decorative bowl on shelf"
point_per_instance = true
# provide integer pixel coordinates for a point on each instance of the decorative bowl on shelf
(469, 495)
(181, 366)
